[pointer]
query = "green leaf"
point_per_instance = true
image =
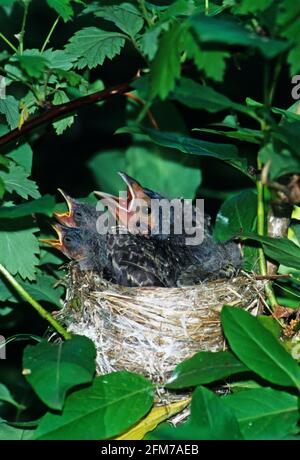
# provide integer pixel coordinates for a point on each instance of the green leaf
(236, 215)
(104, 167)
(198, 96)
(60, 126)
(225, 152)
(251, 6)
(43, 288)
(212, 62)
(258, 348)
(228, 32)
(44, 205)
(282, 161)
(157, 167)
(10, 109)
(125, 16)
(62, 7)
(32, 62)
(8, 432)
(18, 248)
(16, 180)
(22, 155)
(205, 367)
(149, 40)
(58, 59)
(210, 419)
(289, 27)
(282, 250)
(6, 396)
(271, 324)
(113, 403)
(53, 369)
(264, 413)
(90, 46)
(165, 67)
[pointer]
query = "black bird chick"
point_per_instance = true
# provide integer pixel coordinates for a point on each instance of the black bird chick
(79, 214)
(81, 245)
(204, 261)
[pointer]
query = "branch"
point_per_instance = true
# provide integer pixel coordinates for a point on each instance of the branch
(58, 111)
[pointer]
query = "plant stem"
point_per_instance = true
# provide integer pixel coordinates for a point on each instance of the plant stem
(206, 6)
(27, 297)
(49, 34)
(8, 43)
(22, 33)
(261, 230)
(145, 12)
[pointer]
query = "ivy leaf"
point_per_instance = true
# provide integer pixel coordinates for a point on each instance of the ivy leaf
(112, 404)
(216, 30)
(18, 248)
(60, 126)
(53, 369)
(16, 180)
(165, 67)
(125, 16)
(10, 109)
(90, 46)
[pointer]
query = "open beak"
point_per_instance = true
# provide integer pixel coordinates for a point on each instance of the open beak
(58, 243)
(66, 218)
(134, 190)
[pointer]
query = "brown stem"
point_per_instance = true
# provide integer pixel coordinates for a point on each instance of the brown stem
(58, 111)
(271, 277)
(142, 103)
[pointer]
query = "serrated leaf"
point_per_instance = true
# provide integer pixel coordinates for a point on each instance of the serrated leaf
(10, 109)
(59, 59)
(210, 419)
(60, 126)
(62, 7)
(165, 67)
(34, 64)
(22, 155)
(205, 367)
(125, 16)
(258, 349)
(212, 62)
(18, 248)
(112, 404)
(90, 46)
(53, 369)
(264, 413)
(16, 180)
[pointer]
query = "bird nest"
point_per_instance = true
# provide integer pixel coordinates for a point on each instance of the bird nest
(151, 330)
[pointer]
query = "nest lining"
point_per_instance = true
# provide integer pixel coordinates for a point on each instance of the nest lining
(151, 330)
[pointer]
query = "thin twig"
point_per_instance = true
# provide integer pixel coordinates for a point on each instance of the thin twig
(22, 33)
(272, 277)
(8, 43)
(49, 34)
(27, 297)
(142, 103)
(60, 110)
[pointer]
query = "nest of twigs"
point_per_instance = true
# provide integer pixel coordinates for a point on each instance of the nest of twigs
(151, 330)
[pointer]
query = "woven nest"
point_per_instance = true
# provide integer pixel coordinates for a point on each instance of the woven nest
(151, 330)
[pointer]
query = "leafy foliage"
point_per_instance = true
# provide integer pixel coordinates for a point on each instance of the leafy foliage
(187, 113)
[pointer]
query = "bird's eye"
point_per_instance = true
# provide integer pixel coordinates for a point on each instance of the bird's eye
(67, 239)
(146, 210)
(78, 215)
